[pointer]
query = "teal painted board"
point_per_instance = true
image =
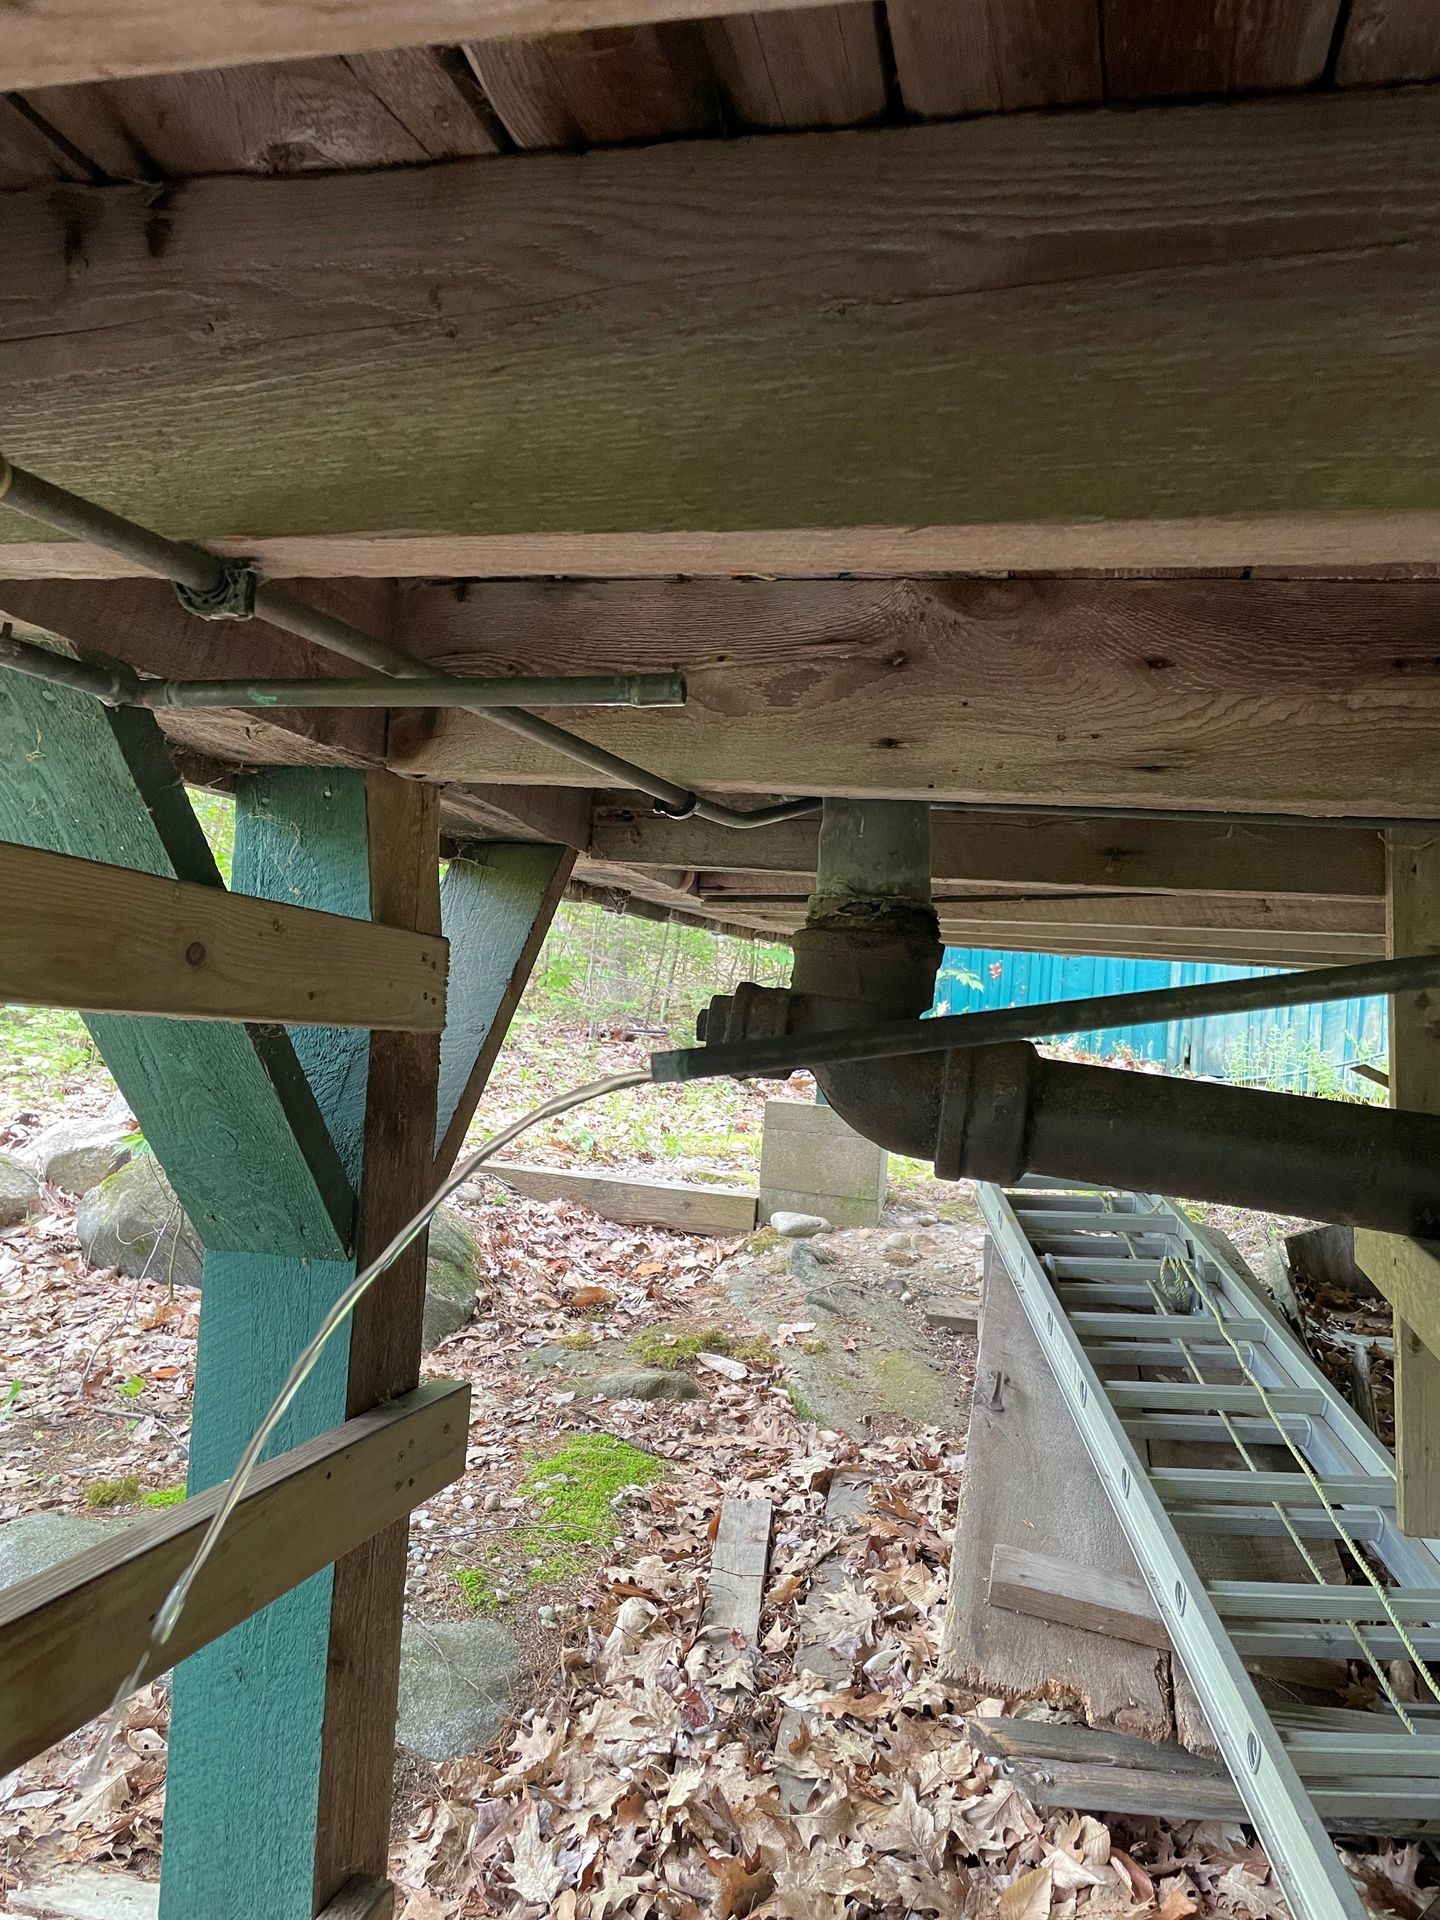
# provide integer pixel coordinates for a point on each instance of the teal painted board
(245, 1738)
(226, 1107)
(489, 904)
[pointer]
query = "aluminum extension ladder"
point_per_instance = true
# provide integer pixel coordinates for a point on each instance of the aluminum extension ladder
(1112, 1282)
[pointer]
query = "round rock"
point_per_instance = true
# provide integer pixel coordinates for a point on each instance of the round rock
(798, 1226)
(20, 1194)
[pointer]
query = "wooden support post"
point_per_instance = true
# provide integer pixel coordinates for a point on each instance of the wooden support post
(1414, 927)
(253, 1713)
(496, 905)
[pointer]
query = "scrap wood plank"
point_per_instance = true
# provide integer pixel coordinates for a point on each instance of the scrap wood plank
(196, 952)
(637, 1203)
(1013, 1496)
(69, 1635)
(954, 1316)
(738, 1560)
(1095, 1598)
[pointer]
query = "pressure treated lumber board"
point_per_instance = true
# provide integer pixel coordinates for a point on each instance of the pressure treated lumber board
(1414, 927)
(641, 1203)
(970, 302)
(496, 905)
(70, 1634)
(53, 43)
(1254, 695)
(83, 779)
(1048, 1587)
(191, 952)
(1013, 1496)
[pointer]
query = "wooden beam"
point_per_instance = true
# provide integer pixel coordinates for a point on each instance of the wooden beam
(54, 43)
(1407, 1272)
(82, 778)
(973, 344)
(68, 1636)
(1414, 927)
(189, 952)
(1314, 862)
(1095, 1598)
(496, 906)
(648, 1203)
(1293, 697)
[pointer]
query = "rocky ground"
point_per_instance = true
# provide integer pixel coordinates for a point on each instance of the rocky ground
(572, 1745)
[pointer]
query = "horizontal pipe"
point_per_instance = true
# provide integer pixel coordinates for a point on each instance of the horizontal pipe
(202, 572)
(784, 1053)
(119, 687)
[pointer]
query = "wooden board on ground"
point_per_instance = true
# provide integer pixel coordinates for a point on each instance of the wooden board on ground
(738, 1560)
(953, 1316)
(636, 1203)
(1014, 1497)
(847, 1498)
(362, 1898)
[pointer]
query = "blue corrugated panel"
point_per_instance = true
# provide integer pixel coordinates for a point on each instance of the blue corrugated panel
(1304, 1048)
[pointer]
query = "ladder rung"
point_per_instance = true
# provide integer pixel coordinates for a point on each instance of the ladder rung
(1075, 1266)
(1290, 1489)
(1165, 1353)
(1162, 1326)
(1312, 1523)
(1271, 1600)
(1209, 1426)
(1356, 1756)
(1316, 1640)
(1199, 1397)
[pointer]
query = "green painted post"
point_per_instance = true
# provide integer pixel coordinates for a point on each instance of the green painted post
(245, 1737)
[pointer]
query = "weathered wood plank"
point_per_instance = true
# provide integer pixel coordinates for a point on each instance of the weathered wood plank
(192, 952)
(352, 1821)
(85, 780)
(1215, 46)
(738, 1559)
(1095, 1598)
(818, 67)
(1388, 41)
(1319, 862)
(995, 56)
(1414, 927)
(1255, 695)
(362, 1898)
(645, 1203)
(974, 349)
(1012, 1496)
(69, 1635)
(579, 89)
(496, 905)
(53, 42)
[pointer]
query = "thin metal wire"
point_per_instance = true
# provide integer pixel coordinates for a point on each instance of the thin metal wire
(343, 1306)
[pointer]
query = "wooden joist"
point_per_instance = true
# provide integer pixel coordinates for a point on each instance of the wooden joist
(964, 303)
(53, 44)
(1265, 696)
(68, 1636)
(649, 1203)
(105, 939)
(1315, 862)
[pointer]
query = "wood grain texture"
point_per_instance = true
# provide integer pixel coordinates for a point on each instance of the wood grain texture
(1414, 927)
(598, 88)
(1387, 41)
(362, 1898)
(1049, 1588)
(352, 1827)
(496, 905)
(55, 41)
(69, 1635)
(738, 1559)
(1320, 862)
(1013, 1496)
(995, 56)
(818, 67)
(1215, 46)
(1009, 322)
(200, 953)
(225, 1107)
(649, 1203)
(1256, 695)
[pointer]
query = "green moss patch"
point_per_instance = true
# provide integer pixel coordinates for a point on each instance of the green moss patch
(163, 1497)
(478, 1588)
(572, 1488)
(674, 1346)
(113, 1493)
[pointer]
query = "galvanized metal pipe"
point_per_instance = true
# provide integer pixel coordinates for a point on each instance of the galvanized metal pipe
(891, 1039)
(202, 572)
(119, 687)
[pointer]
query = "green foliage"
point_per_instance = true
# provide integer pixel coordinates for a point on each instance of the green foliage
(478, 1588)
(133, 1387)
(216, 814)
(572, 1488)
(123, 1492)
(674, 1349)
(12, 1395)
(42, 1049)
(163, 1497)
(1286, 1062)
(803, 1408)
